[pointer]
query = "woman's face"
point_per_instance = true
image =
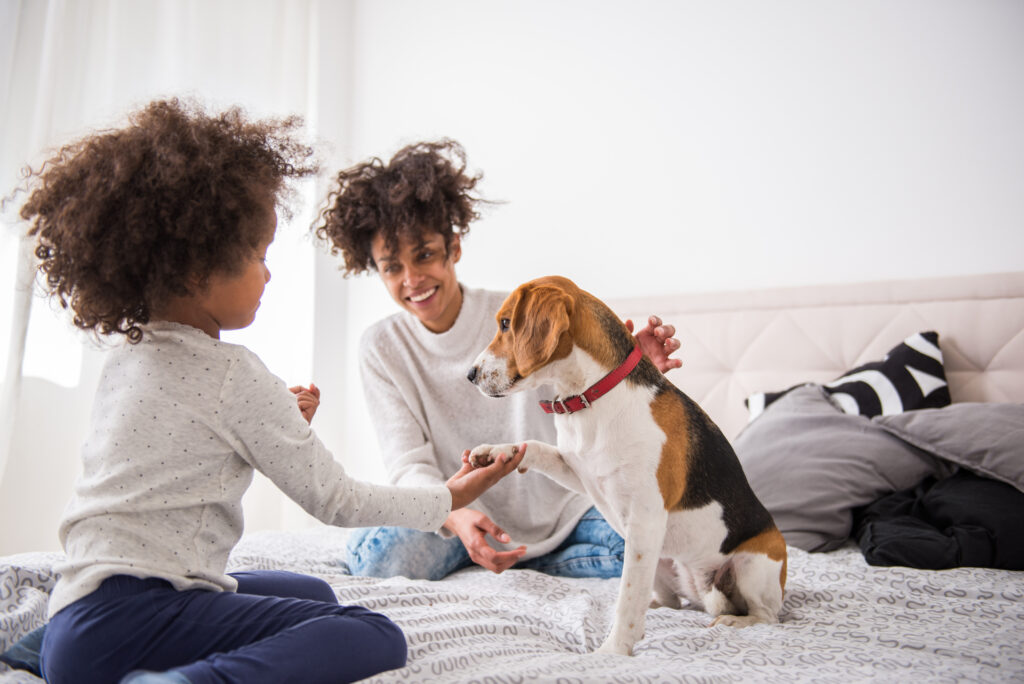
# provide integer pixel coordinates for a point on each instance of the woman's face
(420, 277)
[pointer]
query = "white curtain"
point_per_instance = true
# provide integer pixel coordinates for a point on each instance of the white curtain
(70, 66)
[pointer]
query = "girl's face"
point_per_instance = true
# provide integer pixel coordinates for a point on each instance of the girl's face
(230, 299)
(420, 277)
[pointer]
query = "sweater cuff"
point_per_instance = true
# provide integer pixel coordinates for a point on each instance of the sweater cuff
(437, 524)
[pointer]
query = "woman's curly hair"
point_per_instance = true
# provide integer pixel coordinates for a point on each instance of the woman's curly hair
(128, 217)
(424, 188)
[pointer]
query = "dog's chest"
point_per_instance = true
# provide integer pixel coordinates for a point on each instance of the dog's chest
(614, 446)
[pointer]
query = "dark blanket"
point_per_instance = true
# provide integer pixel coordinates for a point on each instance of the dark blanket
(962, 520)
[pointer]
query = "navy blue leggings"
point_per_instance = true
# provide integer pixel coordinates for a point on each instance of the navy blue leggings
(278, 627)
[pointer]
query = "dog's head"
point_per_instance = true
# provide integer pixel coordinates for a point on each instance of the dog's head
(534, 329)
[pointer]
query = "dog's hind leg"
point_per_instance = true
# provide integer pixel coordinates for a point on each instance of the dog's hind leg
(644, 536)
(666, 585)
(758, 586)
(719, 592)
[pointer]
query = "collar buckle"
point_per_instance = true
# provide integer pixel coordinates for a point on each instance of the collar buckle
(599, 389)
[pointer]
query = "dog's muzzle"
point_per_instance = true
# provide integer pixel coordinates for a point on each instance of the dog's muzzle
(490, 379)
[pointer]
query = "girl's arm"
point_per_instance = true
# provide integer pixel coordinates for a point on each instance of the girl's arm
(258, 417)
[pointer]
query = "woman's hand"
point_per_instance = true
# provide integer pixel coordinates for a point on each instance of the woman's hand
(469, 483)
(308, 399)
(472, 528)
(658, 342)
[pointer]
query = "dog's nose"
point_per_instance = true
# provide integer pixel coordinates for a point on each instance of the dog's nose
(471, 375)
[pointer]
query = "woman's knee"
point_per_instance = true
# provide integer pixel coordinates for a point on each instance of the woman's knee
(594, 529)
(395, 551)
(367, 552)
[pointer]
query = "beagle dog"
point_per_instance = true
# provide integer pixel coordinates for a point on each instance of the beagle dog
(659, 470)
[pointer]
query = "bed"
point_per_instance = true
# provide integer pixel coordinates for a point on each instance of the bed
(772, 354)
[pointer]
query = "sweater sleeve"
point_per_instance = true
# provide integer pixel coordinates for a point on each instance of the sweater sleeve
(259, 414)
(408, 454)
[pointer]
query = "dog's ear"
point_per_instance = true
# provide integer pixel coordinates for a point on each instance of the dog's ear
(539, 320)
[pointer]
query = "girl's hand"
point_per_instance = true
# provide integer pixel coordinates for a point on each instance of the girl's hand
(657, 342)
(472, 528)
(469, 483)
(308, 399)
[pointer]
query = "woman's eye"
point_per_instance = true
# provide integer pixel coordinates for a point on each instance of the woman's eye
(504, 325)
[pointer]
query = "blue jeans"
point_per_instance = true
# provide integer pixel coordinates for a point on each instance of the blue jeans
(592, 549)
(279, 627)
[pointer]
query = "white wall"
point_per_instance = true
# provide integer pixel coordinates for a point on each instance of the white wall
(639, 147)
(693, 146)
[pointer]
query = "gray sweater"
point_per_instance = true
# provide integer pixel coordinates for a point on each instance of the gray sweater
(426, 413)
(179, 424)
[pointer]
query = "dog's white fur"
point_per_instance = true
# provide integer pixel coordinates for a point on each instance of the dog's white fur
(669, 554)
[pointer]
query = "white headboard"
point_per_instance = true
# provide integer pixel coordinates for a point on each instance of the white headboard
(736, 343)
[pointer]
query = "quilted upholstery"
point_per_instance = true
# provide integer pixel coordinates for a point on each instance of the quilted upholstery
(737, 343)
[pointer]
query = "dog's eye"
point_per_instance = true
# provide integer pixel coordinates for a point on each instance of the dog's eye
(504, 325)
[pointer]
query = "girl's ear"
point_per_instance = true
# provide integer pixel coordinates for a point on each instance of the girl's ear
(196, 285)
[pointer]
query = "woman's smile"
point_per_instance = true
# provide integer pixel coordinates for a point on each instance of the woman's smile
(421, 297)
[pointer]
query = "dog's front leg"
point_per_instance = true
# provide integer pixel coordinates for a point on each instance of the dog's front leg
(645, 534)
(539, 456)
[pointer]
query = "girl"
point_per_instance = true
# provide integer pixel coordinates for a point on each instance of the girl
(157, 233)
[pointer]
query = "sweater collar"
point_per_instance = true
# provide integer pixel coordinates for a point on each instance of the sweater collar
(464, 334)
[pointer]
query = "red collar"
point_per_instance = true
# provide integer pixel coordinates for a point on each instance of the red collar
(578, 402)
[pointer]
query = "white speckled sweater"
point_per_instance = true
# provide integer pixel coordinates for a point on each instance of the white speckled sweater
(180, 422)
(426, 413)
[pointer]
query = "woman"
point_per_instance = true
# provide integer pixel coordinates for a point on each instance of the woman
(406, 220)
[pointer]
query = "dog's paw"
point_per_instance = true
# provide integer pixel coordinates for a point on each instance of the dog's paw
(739, 621)
(615, 647)
(481, 456)
(485, 454)
(665, 600)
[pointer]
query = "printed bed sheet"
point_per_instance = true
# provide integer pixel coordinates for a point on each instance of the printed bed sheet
(842, 621)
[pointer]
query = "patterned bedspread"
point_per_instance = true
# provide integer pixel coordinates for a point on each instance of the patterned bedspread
(842, 621)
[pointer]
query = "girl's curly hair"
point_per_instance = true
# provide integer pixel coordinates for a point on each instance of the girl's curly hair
(424, 188)
(126, 218)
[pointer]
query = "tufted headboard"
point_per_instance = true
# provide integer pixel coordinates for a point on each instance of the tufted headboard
(737, 343)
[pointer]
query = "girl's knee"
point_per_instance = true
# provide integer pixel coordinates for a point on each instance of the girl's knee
(393, 649)
(284, 584)
(318, 589)
(376, 644)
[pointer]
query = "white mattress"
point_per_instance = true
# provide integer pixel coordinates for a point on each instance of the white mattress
(842, 621)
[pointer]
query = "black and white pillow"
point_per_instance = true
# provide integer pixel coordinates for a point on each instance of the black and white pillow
(911, 376)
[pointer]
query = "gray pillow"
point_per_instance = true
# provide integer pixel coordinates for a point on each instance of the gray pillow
(987, 439)
(810, 464)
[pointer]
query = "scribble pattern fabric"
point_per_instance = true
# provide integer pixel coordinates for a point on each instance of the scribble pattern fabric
(842, 621)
